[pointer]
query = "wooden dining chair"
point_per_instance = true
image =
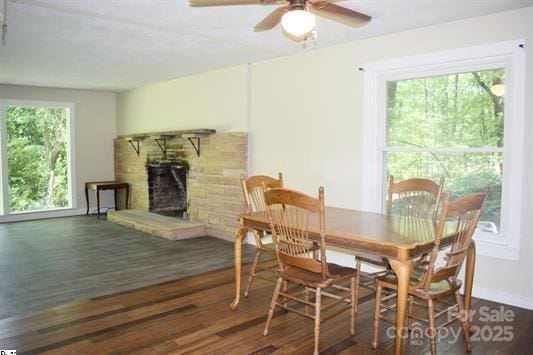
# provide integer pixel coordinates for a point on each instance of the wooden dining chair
(252, 188)
(435, 284)
(290, 214)
(417, 197)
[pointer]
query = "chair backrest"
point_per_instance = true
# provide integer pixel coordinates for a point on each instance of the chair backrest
(414, 197)
(465, 211)
(252, 189)
(289, 213)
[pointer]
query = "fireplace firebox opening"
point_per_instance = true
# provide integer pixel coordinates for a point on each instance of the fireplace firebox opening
(167, 189)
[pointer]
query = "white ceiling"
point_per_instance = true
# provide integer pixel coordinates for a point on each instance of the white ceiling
(122, 44)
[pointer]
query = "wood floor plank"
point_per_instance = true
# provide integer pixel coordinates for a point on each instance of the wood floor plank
(107, 331)
(192, 316)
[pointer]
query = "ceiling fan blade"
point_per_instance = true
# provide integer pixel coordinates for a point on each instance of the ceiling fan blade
(271, 20)
(200, 3)
(338, 13)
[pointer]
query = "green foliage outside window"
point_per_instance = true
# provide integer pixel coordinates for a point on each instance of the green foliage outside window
(451, 112)
(37, 158)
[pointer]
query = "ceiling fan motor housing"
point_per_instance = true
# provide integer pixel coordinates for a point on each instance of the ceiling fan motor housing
(297, 5)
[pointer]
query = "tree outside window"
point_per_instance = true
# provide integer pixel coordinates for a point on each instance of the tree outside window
(451, 126)
(38, 176)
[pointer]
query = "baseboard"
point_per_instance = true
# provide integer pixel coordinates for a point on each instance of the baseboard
(250, 239)
(503, 297)
(346, 259)
(219, 233)
(42, 215)
(479, 292)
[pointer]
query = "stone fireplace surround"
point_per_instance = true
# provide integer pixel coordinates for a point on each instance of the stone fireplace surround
(213, 182)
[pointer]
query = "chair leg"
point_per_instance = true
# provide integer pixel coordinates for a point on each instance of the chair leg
(318, 307)
(465, 321)
(409, 314)
(273, 305)
(306, 298)
(257, 257)
(285, 289)
(357, 281)
(377, 310)
(432, 329)
(354, 289)
(355, 293)
(358, 271)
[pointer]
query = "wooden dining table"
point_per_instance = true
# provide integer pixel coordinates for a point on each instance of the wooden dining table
(399, 239)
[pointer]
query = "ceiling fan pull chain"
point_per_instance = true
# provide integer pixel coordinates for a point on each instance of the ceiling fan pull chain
(314, 36)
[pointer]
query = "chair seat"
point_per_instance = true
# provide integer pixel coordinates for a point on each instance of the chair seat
(312, 279)
(436, 289)
(372, 259)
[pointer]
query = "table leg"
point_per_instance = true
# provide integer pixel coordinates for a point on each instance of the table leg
(87, 198)
(469, 275)
(127, 197)
(115, 195)
(403, 271)
(98, 203)
(241, 233)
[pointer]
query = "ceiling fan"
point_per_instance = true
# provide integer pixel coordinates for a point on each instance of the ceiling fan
(296, 16)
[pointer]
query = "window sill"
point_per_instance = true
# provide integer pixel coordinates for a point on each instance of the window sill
(21, 213)
(494, 249)
(28, 216)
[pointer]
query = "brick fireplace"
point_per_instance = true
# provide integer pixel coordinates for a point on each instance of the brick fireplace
(211, 187)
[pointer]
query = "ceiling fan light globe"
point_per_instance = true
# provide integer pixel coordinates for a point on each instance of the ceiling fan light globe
(293, 37)
(298, 22)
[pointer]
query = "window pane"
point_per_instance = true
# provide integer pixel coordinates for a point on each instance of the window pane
(465, 173)
(458, 110)
(37, 158)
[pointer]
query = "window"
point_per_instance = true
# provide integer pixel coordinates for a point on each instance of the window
(450, 125)
(457, 114)
(36, 156)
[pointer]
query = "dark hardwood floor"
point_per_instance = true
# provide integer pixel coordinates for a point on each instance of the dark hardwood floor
(192, 315)
(88, 286)
(55, 261)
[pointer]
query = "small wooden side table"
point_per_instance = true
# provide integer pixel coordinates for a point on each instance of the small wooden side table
(97, 186)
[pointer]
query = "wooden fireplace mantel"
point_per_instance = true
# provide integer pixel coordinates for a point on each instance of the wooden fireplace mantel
(192, 135)
(200, 132)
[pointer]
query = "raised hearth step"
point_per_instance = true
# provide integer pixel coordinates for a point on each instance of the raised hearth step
(155, 224)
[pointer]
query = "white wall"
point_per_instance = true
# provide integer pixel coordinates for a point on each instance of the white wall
(196, 101)
(311, 129)
(306, 120)
(95, 129)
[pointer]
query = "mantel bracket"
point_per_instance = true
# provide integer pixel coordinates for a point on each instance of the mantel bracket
(195, 146)
(162, 147)
(135, 146)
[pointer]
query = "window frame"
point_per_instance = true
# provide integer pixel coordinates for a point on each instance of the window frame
(5, 213)
(509, 55)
